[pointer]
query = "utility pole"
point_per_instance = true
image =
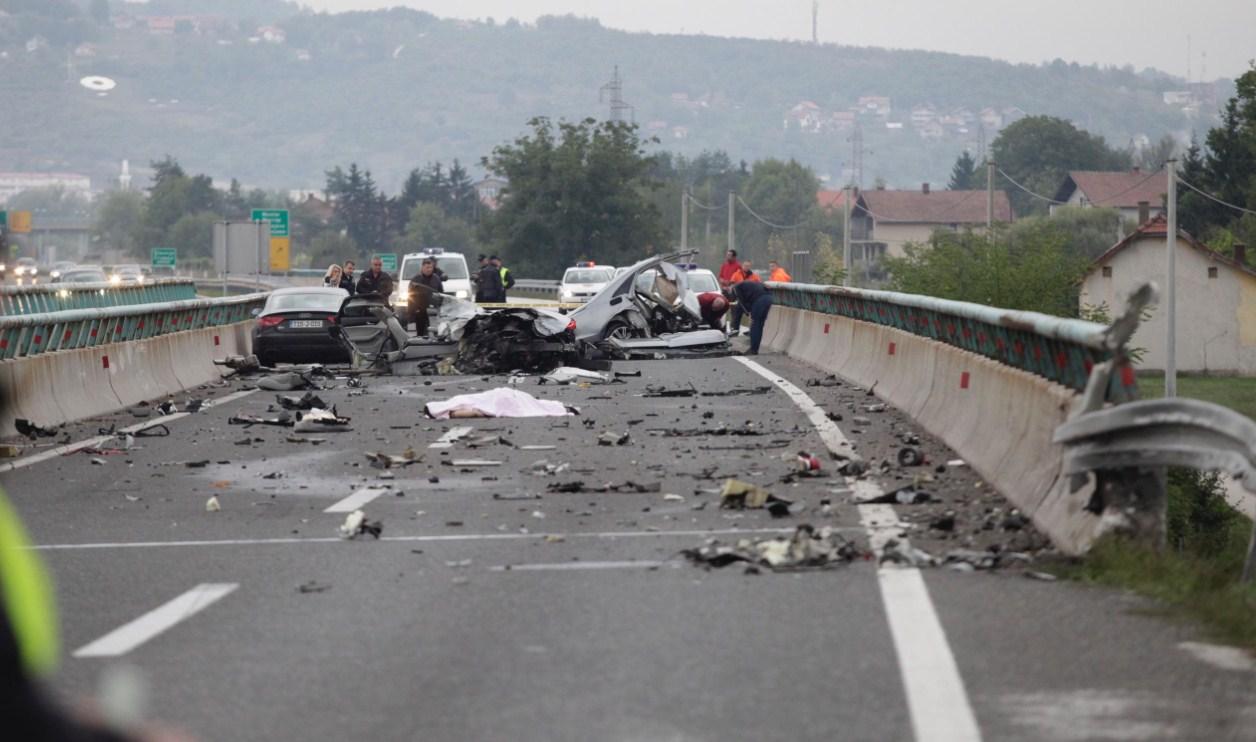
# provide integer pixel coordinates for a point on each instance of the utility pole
(815, 21)
(614, 90)
(684, 220)
(1170, 294)
(732, 213)
(990, 166)
(846, 199)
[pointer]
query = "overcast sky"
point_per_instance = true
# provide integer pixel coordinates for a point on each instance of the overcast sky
(1144, 33)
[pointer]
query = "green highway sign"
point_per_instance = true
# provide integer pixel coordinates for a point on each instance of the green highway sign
(278, 219)
(388, 261)
(4, 219)
(164, 257)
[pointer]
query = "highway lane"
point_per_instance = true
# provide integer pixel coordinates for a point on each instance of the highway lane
(426, 635)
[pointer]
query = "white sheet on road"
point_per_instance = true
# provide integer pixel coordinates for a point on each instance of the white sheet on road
(500, 402)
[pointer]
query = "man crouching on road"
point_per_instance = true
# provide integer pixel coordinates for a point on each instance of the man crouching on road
(753, 297)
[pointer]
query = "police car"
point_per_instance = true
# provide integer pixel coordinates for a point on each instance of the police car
(583, 281)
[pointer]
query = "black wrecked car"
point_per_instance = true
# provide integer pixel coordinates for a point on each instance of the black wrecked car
(294, 326)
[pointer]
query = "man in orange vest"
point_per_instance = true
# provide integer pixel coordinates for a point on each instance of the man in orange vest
(777, 273)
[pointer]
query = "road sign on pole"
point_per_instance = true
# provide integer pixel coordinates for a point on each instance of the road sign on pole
(4, 219)
(280, 250)
(278, 219)
(388, 261)
(164, 257)
(19, 222)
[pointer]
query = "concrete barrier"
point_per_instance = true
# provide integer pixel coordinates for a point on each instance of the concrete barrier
(63, 386)
(999, 419)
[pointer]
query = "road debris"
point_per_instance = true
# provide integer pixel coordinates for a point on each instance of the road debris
(193, 406)
(284, 420)
(240, 364)
(307, 401)
(474, 462)
(500, 402)
(569, 374)
(908, 456)
(629, 486)
(212, 505)
(806, 549)
(544, 468)
(313, 586)
(381, 460)
(288, 381)
(907, 495)
(317, 420)
(611, 438)
(356, 525)
(829, 380)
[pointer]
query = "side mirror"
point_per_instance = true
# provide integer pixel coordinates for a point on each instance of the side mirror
(255, 311)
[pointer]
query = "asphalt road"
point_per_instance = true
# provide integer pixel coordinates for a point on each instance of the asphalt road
(483, 615)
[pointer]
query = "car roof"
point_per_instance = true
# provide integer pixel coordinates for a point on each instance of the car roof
(309, 290)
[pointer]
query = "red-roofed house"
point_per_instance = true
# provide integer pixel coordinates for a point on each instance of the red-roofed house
(1216, 300)
(898, 217)
(1113, 190)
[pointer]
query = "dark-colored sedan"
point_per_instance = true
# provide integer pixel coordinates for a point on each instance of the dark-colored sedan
(294, 327)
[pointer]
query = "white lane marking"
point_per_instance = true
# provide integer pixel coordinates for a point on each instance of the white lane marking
(1221, 657)
(936, 698)
(130, 635)
(574, 566)
(832, 435)
(451, 436)
(611, 535)
(69, 448)
(356, 500)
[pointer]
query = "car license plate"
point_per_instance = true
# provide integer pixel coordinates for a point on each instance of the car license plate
(302, 324)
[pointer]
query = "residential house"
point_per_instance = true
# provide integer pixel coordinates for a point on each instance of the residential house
(1215, 299)
(990, 118)
(874, 105)
(272, 34)
(899, 217)
(1120, 190)
(805, 116)
(923, 114)
(489, 190)
(1178, 98)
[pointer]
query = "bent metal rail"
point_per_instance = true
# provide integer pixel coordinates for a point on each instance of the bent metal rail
(57, 297)
(1056, 348)
(32, 334)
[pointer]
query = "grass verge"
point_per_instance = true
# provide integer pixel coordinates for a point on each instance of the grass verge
(1236, 392)
(1197, 576)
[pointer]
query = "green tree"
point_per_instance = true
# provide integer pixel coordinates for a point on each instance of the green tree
(1037, 273)
(1039, 151)
(193, 234)
(327, 248)
(576, 189)
(964, 174)
(120, 220)
(430, 226)
(54, 203)
(1086, 232)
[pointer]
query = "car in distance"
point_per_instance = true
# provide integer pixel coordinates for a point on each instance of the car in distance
(581, 284)
(129, 273)
(82, 274)
(294, 326)
(26, 271)
(59, 267)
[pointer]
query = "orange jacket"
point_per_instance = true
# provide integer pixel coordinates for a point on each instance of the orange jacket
(741, 275)
(779, 275)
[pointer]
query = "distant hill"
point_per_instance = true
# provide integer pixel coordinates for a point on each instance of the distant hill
(273, 95)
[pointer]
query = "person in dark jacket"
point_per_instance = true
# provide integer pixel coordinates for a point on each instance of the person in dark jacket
(376, 281)
(346, 277)
(424, 283)
(753, 297)
(508, 278)
(488, 284)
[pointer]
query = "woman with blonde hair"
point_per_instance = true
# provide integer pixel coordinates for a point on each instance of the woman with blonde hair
(332, 277)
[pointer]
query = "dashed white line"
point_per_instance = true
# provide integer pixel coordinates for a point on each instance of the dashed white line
(356, 500)
(936, 698)
(451, 436)
(131, 635)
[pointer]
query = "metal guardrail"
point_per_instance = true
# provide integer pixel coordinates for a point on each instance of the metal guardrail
(535, 288)
(1055, 348)
(33, 334)
(56, 297)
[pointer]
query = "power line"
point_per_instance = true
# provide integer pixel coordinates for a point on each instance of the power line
(772, 224)
(1211, 197)
(1026, 190)
(695, 202)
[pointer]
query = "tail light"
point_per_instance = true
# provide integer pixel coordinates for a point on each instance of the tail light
(267, 322)
(571, 326)
(331, 319)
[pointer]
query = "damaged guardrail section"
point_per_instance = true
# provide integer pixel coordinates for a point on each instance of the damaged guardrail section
(1061, 350)
(32, 334)
(993, 384)
(64, 366)
(20, 300)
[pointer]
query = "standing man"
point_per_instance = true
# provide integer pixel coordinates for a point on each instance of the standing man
(728, 268)
(488, 283)
(425, 283)
(346, 277)
(753, 297)
(777, 273)
(376, 281)
(744, 272)
(508, 278)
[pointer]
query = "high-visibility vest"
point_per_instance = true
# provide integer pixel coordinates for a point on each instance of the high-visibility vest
(28, 597)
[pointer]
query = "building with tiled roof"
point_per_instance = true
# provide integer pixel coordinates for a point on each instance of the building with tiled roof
(1120, 190)
(896, 218)
(1216, 300)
